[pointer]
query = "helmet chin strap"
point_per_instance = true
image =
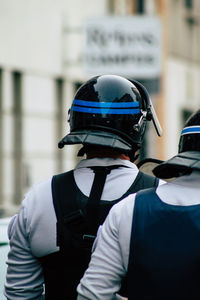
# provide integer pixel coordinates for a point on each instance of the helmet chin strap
(82, 151)
(133, 156)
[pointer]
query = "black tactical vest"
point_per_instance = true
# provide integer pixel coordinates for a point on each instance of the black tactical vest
(78, 218)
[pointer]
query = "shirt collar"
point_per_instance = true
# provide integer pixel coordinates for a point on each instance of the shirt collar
(105, 162)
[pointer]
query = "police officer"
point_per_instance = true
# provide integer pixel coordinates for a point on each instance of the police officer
(52, 235)
(154, 235)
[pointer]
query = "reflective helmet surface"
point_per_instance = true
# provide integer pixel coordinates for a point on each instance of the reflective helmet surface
(109, 110)
(190, 135)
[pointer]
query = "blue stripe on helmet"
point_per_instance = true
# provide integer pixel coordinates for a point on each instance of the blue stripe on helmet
(116, 111)
(190, 130)
(105, 104)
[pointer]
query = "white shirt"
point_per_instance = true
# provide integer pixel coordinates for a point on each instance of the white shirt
(32, 232)
(109, 261)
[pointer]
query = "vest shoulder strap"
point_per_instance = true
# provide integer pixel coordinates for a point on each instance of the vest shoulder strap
(73, 209)
(59, 192)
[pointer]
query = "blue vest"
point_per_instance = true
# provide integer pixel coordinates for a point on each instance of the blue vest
(164, 261)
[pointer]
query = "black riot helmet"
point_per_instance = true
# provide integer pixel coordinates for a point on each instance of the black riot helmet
(190, 135)
(188, 158)
(110, 111)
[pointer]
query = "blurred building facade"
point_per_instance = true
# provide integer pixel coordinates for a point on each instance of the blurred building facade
(41, 66)
(182, 73)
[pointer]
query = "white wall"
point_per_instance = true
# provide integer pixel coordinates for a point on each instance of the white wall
(31, 32)
(30, 37)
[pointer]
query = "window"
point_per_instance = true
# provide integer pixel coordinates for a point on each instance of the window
(140, 6)
(59, 120)
(189, 4)
(1, 140)
(17, 136)
(111, 6)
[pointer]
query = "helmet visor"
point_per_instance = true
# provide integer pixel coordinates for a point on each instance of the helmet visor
(156, 123)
